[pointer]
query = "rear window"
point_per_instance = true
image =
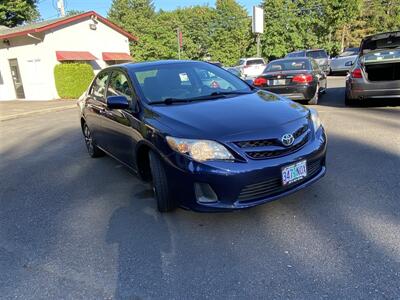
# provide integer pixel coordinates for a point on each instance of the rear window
(385, 55)
(288, 65)
(255, 62)
(317, 54)
(295, 54)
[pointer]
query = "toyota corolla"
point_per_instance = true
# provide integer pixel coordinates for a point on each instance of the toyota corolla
(205, 139)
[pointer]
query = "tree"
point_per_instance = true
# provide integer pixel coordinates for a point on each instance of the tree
(74, 12)
(195, 24)
(137, 17)
(17, 12)
(281, 33)
(230, 32)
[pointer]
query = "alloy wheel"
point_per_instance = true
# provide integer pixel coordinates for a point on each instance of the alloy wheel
(88, 140)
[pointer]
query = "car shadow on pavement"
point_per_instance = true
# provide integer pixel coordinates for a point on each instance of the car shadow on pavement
(141, 236)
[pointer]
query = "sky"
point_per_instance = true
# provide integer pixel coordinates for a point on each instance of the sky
(48, 9)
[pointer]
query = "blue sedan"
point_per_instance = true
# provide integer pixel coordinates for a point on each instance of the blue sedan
(204, 138)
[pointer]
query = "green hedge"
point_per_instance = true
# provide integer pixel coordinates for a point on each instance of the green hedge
(72, 79)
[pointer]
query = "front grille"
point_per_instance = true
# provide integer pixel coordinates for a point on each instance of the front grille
(257, 143)
(300, 131)
(274, 185)
(270, 142)
(276, 153)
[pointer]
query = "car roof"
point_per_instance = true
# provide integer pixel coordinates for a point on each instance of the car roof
(291, 58)
(138, 65)
(248, 58)
(307, 50)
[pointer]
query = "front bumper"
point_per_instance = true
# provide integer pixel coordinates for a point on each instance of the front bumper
(228, 179)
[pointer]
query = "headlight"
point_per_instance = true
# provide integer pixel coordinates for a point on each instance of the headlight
(315, 119)
(200, 150)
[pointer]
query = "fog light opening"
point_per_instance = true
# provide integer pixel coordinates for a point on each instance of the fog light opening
(204, 193)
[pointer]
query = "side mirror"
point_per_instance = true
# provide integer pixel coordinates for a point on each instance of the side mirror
(348, 64)
(117, 102)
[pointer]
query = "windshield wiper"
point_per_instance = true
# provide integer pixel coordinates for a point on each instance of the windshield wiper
(170, 101)
(212, 96)
(216, 95)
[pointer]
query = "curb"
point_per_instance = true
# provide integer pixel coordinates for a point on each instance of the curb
(45, 110)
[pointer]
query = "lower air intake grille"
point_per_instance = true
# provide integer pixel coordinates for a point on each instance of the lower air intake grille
(274, 186)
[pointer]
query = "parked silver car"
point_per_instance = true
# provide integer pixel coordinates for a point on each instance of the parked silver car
(376, 71)
(343, 62)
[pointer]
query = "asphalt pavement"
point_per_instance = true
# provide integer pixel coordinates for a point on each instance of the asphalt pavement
(72, 227)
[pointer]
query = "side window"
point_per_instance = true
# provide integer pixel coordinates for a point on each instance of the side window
(119, 86)
(99, 86)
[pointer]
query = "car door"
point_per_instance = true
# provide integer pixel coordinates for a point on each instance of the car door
(121, 126)
(96, 107)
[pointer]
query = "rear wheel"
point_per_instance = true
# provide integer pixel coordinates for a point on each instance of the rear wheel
(162, 191)
(314, 99)
(348, 101)
(91, 147)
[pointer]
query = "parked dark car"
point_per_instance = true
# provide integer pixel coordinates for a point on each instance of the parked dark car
(203, 146)
(295, 78)
(376, 71)
(320, 56)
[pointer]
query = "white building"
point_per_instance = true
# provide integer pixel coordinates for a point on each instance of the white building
(29, 53)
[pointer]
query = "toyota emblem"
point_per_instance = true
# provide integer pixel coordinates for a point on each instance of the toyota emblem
(287, 139)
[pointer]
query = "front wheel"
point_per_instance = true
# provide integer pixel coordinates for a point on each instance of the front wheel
(91, 147)
(162, 191)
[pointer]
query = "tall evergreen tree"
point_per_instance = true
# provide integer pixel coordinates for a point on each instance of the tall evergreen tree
(17, 12)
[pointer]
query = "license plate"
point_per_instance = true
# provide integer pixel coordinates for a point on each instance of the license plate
(295, 172)
(277, 82)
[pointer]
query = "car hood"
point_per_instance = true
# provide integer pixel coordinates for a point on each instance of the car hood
(257, 115)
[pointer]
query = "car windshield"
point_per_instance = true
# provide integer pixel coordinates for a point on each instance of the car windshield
(288, 65)
(187, 80)
(317, 54)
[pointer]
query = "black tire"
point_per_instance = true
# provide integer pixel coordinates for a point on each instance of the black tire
(348, 101)
(161, 189)
(91, 147)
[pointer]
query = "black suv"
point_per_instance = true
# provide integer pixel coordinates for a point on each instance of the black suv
(319, 55)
